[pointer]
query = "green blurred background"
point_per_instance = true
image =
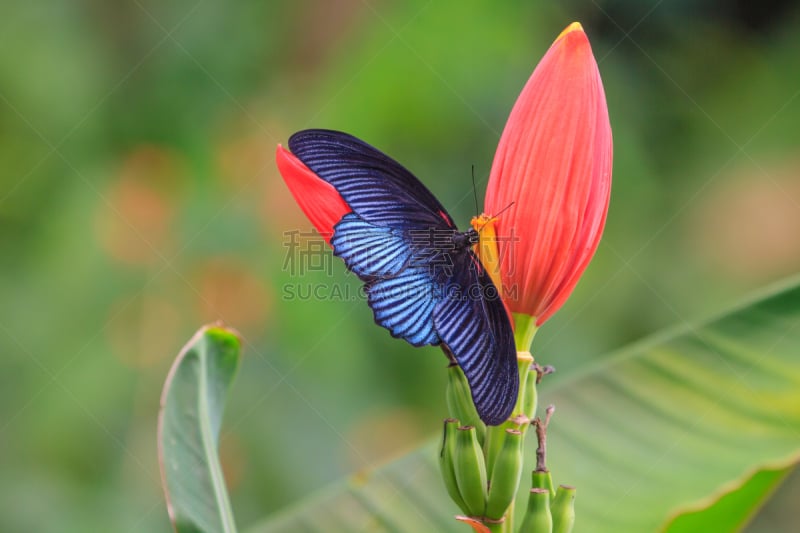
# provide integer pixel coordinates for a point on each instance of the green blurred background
(139, 199)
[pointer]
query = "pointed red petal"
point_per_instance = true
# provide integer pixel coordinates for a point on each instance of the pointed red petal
(554, 163)
(320, 202)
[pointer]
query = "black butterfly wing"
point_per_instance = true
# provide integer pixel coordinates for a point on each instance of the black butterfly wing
(376, 187)
(473, 324)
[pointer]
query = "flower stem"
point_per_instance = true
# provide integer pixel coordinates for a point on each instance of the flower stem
(524, 330)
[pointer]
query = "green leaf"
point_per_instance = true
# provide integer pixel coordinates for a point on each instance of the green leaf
(675, 421)
(192, 403)
(671, 423)
(734, 509)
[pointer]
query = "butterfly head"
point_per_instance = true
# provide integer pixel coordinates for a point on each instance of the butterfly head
(462, 240)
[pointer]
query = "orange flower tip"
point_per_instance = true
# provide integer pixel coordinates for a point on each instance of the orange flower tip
(476, 524)
(479, 221)
(575, 26)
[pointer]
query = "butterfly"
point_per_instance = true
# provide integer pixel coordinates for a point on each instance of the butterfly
(421, 276)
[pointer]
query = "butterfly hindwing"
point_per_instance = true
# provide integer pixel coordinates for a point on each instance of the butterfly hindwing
(473, 324)
(369, 251)
(376, 187)
(400, 289)
(404, 305)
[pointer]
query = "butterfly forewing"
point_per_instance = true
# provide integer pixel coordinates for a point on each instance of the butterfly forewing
(376, 187)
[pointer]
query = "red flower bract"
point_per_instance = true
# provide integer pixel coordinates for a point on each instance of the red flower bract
(553, 164)
(318, 199)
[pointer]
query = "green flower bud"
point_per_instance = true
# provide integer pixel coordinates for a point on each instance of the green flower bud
(563, 509)
(470, 470)
(459, 401)
(541, 479)
(446, 462)
(492, 444)
(537, 516)
(505, 475)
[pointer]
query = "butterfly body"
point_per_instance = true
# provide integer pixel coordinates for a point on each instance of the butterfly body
(422, 279)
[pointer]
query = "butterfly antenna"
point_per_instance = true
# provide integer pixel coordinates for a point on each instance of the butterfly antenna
(474, 190)
(506, 208)
(495, 216)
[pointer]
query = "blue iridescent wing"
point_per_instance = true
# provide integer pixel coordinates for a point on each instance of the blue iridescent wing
(369, 251)
(404, 304)
(474, 326)
(376, 187)
(400, 289)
